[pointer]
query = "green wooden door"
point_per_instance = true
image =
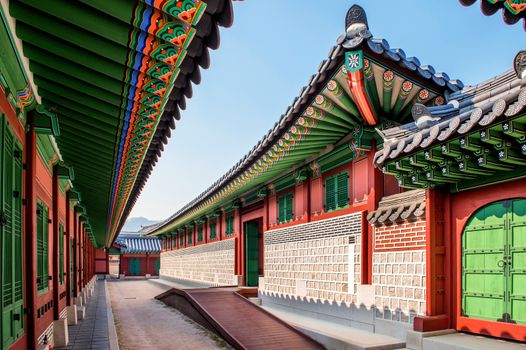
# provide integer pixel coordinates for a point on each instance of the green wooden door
(517, 261)
(157, 266)
(251, 254)
(10, 237)
(135, 266)
(71, 282)
(494, 263)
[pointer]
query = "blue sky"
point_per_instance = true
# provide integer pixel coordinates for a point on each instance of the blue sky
(271, 51)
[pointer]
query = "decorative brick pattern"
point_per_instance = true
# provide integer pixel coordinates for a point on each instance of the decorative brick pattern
(399, 280)
(210, 263)
(312, 260)
(404, 236)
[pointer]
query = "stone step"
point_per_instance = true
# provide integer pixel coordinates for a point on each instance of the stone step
(464, 341)
(336, 336)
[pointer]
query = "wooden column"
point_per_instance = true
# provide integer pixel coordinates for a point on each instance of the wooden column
(74, 239)
(77, 255)
(56, 238)
(67, 244)
(30, 237)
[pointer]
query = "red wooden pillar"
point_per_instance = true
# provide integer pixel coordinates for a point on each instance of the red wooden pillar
(77, 259)
(56, 238)
(206, 229)
(240, 252)
(376, 192)
(81, 256)
(75, 255)
(30, 237)
(316, 193)
(220, 226)
(67, 244)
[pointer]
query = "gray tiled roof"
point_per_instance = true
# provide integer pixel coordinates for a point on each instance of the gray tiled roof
(479, 105)
(398, 207)
(134, 244)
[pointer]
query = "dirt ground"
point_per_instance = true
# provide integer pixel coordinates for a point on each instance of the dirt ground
(145, 323)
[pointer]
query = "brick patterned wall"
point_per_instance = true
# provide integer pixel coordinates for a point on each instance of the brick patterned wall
(312, 260)
(399, 280)
(210, 263)
(404, 236)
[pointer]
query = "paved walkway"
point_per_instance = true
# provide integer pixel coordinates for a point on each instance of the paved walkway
(145, 323)
(92, 332)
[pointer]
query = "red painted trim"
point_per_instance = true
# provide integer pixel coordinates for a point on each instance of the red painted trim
(67, 244)
(357, 86)
(30, 239)
(430, 323)
(494, 329)
(15, 123)
(463, 206)
(56, 237)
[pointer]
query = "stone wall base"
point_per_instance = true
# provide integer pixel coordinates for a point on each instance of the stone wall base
(358, 317)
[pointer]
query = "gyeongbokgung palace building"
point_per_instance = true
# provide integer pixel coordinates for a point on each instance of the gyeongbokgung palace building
(388, 196)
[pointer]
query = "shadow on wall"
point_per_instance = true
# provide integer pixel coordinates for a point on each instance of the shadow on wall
(337, 311)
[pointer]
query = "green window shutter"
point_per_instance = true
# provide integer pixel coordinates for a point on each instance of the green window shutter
(40, 246)
(289, 207)
(46, 248)
(213, 225)
(6, 240)
(281, 209)
(181, 239)
(190, 233)
(200, 234)
(17, 226)
(286, 207)
(229, 225)
(11, 274)
(330, 193)
(61, 253)
(342, 184)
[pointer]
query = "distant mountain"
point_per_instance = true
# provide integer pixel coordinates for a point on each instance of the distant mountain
(133, 225)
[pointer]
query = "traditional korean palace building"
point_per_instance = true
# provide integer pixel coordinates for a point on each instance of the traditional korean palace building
(388, 196)
(89, 94)
(137, 255)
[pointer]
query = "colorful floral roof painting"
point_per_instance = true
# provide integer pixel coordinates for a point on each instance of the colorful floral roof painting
(513, 11)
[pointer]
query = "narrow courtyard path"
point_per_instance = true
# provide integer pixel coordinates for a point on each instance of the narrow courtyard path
(145, 323)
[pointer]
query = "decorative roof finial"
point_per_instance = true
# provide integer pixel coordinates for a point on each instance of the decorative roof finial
(355, 15)
(519, 63)
(356, 27)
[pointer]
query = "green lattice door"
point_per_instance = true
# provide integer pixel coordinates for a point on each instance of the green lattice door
(157, 266)
(12, 303)
(494, 263)
(251, 254)
(71, 284)
(135, 266)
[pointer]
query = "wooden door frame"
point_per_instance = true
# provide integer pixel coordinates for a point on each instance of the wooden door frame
(463, 206)
(258, 223)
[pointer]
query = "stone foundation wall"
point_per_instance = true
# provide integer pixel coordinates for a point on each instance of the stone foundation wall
(399, 270)
(211, 263)
(317, 261)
